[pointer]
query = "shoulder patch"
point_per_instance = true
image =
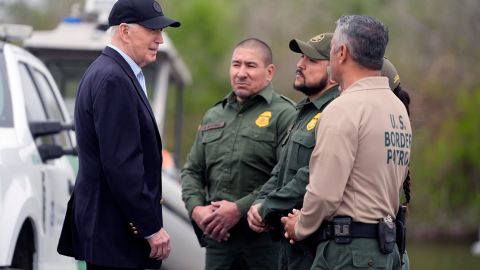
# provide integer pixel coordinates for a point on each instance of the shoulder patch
(289, 100)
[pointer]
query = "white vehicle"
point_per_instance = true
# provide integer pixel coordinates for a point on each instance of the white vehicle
(36, 172)
(70, 48)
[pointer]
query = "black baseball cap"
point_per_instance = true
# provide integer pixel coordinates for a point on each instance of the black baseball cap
(147, 13)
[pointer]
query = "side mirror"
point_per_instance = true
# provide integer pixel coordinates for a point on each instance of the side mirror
(53, 151)
(43, 128)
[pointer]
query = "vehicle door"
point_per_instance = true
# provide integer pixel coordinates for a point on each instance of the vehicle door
(58, 175)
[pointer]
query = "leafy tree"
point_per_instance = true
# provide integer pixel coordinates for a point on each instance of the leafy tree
(22, 13)
(447, 166)
(44, 16)
(208, 33)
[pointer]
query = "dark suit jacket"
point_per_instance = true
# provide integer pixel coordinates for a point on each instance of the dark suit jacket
(116, 200)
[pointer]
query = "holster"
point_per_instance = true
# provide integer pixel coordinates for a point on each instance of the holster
(401, 225)
(386, 236)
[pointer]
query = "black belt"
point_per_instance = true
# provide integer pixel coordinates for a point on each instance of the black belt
(343, 232)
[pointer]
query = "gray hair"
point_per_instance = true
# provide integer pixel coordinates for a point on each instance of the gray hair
(113, 30)
(365, 38)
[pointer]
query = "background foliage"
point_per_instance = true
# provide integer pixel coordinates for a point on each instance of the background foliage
(433, 43)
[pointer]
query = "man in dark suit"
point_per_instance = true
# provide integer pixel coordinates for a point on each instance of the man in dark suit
(114, 217)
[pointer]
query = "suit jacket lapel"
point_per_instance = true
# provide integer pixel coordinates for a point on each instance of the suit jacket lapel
(109, 52)
(126, 68)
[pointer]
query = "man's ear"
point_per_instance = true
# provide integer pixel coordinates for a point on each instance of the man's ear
(270, 72)
(342, 53)
(124, 32)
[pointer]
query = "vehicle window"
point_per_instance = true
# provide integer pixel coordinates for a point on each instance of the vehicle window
(52, 105)
(6, 118)
(49, 99)
(67, 75)
(33, 103)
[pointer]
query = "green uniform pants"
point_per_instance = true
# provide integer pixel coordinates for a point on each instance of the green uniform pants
(295, 257)
(360, 253)
(244, 250)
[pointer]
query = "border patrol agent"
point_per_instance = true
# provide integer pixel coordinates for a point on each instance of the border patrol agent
(237, 145)
(286, 187)
(360, 159)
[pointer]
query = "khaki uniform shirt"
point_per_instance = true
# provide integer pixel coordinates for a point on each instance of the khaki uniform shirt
(360, 159)
(235, 150)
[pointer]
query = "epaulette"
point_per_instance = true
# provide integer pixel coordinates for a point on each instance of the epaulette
(289, 100)
(222, 102)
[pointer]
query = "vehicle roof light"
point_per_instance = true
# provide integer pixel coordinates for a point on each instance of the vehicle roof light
(15, 32)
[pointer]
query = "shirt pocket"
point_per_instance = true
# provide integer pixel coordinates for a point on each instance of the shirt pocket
(258, 153)
(303, 143)
(259, 144)
(211, 141)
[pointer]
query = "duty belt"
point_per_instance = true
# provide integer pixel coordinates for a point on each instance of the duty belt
(342, 230)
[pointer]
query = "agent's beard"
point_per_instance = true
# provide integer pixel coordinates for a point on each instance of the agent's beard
(310, 90)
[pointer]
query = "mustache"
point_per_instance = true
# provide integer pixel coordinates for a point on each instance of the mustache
(299, 72)
(242, 79)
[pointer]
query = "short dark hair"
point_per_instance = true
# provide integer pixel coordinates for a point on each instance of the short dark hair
(365, 37)
(258, 44)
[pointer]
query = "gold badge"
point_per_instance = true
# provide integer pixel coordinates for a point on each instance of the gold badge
(263, 119)
(313, 122)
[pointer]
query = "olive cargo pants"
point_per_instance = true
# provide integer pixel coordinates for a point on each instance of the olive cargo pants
(360, 253)
(244, 250)
(295, 257)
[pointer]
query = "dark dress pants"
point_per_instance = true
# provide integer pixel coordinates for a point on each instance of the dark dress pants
(100, 267)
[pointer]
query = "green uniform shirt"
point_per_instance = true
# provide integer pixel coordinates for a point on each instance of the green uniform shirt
(235, 150)
(286, 187)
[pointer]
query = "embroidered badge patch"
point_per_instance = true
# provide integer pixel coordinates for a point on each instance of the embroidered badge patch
(313, 122)
(396, 78)
(157, 7)
(263, 119)
(317, 38)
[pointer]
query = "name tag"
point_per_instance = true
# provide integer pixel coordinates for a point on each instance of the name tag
(211, 126)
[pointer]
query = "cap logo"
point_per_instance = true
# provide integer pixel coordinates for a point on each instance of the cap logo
(396, 78)
(157, 7)
(317, 38)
